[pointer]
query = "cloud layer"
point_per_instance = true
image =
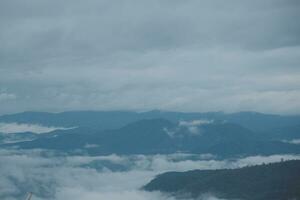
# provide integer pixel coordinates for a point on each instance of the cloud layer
(33, 128)
(58, 177)
(175, 55)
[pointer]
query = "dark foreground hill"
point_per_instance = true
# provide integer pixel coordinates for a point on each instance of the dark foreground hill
(277, 181)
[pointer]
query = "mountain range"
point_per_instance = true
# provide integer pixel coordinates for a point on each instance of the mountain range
(158, 132)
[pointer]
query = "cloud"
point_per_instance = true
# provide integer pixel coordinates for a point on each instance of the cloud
(257, 160)
(141, 55)
(195, 122)
(55, 176)
(188, 127)
(195, 125)
(7, 96)
(88, 146)
(34, 128)
(294, 141)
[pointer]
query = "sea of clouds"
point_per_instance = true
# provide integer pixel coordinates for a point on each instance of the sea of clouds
(56, 176)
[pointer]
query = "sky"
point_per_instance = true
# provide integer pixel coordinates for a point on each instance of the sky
(192, 55)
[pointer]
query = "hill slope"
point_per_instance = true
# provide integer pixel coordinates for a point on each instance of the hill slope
(277, 181)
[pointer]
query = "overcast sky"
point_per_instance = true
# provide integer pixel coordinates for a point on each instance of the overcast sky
(183, 55)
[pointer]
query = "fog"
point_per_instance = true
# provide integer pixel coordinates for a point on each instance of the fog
(22, 127)
(55, 176)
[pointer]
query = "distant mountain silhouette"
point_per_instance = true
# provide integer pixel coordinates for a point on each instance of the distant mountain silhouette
(116, 119)
(161, 136)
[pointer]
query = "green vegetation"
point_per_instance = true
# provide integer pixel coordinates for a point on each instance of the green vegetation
(277, 181)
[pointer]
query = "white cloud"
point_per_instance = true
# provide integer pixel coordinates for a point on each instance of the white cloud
(294, 141)
(257, 160)
(4, 96)
(89, 146)
(58, 177)
(198, 122)
(34, 128)
(169, 132)
(193, 127)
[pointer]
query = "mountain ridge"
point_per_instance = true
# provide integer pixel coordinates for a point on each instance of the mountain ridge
(116, 119)
(277, 181)
(161, 136)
